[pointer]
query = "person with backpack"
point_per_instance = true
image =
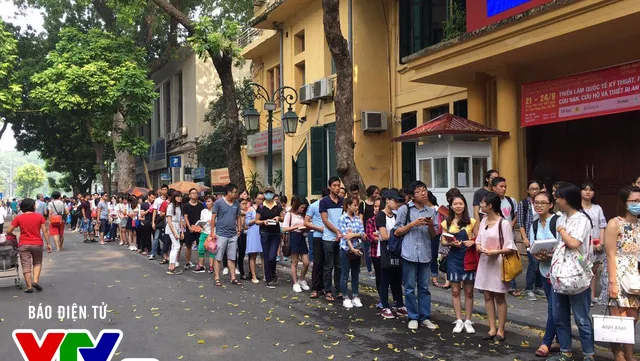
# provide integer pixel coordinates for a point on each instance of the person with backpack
(571, 274)
(462, 259)
(366, 213)
(544, 228)
(509, 213)
(416, 254)
(390, 266)
(494, 241)
(480, 193)
(526, 215)
(57, 216)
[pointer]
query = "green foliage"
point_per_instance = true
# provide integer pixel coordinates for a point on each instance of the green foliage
(456, 23)
(212, 37)
(277, 178)
(10, 89)
(28, 178)
(254, 184)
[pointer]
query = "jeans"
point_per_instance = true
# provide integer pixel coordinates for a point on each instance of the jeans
(310, 246)
(533, 275)
(156, 248)
(317, 273)
(580, 305)
(242, 250)
(331, 263)
(113, 229)
(392, 277)
(550, 331)
(416, 278)
(349, 265)
(435, 244)
(366, 249)
(270, 243)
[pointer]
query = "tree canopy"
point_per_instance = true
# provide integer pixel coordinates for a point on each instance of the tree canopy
(28, 178)
(10, 89)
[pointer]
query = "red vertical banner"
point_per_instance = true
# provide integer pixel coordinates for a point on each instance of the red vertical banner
(605, 91)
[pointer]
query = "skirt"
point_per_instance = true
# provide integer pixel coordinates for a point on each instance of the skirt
(298, 243)
(253, 241)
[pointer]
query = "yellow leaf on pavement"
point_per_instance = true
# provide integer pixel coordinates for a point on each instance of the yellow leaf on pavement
(200, 342)
(330, 357)
(190, 334)
(309, 352)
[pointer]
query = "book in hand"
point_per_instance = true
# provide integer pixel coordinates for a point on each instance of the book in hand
(201, 223)
(548, 245)
(450, 238)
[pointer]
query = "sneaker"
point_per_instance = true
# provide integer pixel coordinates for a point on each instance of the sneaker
(539, 292)
(271, 285)
(275, 278)
(459, 325)
(120, 244)
(468, 327)
(188, 265)
(225, 271)
(237, 272)
(174, 271)
(256, 281)
(531, 296)
(347, 304)
(211, 270)
(379, 306)
(304, 285)
(194, 248)
(199, 269)
(151, 258)
(386, 313)
(402, 311)
(428, 324)
(372, 276)
(356, 302)
(589, 358)
(130, 247)
(564, 357)
(297, 288)
(413, 324)
(277, 258)
(285, 259)
(177, 264)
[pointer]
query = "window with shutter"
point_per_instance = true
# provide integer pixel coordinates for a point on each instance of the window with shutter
(409, 121)
(331, 147)
(318, 159)
(300, 173)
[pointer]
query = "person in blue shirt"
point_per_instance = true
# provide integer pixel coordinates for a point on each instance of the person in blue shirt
(330, 211)
(313, 222)
(352, 231)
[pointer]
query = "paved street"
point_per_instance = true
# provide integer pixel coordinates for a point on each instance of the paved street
(186, 318)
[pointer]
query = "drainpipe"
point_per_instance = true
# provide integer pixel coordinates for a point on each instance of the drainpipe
(350, 20)
(282, 152)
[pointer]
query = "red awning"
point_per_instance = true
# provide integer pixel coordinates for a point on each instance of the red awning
(457, 128)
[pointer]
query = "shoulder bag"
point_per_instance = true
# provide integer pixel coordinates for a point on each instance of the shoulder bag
(571, 272)
(56, 219)
(286, 237)
(511, 263)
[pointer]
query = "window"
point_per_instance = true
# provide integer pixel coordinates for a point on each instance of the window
(299, 44)
(156, 115)
(421, 24)
(180, 102)
(300, 75)
(408, 122)
(480, 166)
(425, 172)
(323, 156)
(460, 108)
(300, 173)
(432, 113)
(440, 173)
(166, 98)
(462, 172)
(273, 81)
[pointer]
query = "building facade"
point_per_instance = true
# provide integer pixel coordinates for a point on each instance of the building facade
(512, 68)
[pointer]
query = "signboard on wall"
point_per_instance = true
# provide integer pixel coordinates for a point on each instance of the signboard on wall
(165, 176)
(175, 161)
(257, 144)
(198, 173)
(601, 92)
(481, 13)
(220, 177)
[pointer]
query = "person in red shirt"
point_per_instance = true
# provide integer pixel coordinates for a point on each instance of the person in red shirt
(30, 242)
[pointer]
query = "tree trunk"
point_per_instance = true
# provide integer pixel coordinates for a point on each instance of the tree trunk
(224, 64)
(4, 127)
(98, 148)
(125, 162)
(343, 99)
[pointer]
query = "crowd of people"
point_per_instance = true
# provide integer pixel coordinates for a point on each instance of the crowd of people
(403, 237)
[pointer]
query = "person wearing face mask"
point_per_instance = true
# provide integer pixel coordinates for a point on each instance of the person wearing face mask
(268, 217)
(622, 258)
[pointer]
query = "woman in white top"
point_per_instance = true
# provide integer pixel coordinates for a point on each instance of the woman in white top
(205, 215)
(594, 211)
(254, 246)
(174, 230)
(294, 224)
(132, 216)
(123, 211)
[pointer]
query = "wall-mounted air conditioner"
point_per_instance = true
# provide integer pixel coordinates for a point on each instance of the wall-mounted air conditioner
(323, 89)
(183, 131)
(374, 122)
(306, 94)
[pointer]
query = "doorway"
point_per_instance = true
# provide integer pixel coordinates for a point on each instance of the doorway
(599, 150)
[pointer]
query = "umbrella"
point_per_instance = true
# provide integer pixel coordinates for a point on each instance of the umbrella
(138, 191)
(184, 187)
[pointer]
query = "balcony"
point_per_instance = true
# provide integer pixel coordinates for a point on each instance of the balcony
(271, 12)
(248, 36)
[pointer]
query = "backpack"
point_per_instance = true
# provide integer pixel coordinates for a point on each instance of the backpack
(552, 226)
(571, 272)
(513, 207)
(394, 246)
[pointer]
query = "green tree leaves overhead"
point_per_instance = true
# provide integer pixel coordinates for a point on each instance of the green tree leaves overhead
(10, 89)
(28, 178)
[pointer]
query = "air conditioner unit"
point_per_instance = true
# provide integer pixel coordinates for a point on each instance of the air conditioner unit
(183, 131)
(323, 89)
(374, 122)
(306, 94)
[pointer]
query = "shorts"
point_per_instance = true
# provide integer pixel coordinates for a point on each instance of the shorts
(30, 255)
(190, 238)
(129, 225)
(85, 225)
(228, 246)
(56, 230)
(104, 226)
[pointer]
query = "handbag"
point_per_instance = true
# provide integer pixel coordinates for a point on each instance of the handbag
(286, 244)
(630, 283)
(615, 329)
(196, 229)
(353, 256)
(442, 265)
(388, 260)
(56, 220)
(211, 245)
(511, 263)
(471, 259)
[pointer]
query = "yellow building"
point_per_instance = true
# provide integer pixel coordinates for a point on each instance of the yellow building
(512, 70)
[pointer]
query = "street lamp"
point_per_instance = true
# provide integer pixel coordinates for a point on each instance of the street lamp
(251, 115)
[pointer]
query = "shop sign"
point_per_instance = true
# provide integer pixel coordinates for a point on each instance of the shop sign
(198, 173)
(601, 92)
(258, 144)
(165, 176)
(220, 177)
(481, 13)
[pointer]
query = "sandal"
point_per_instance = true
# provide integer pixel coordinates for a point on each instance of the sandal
(515, 293)
(217, 283)
(314, 294)
(329, 297)
(236, 282)
(542, 351)
(435, 283)
(164, 261)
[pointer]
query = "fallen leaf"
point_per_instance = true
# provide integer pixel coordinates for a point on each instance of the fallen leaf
(390, 346)
(190, 334)
(330, 357)
(309, 352)
(180, 357)
(320, 331)
(200, 342)
(138, 317)
(335, 343)
(285, 350)
(326, 346)
(117, 353)
(376, 349)
(277, 344)
(236, 346)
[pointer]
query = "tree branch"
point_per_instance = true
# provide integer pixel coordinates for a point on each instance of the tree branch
(4, 127)
(175, 14)
(106, 13)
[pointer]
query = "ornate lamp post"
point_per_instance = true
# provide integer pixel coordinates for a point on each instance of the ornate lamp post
(286, 95)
